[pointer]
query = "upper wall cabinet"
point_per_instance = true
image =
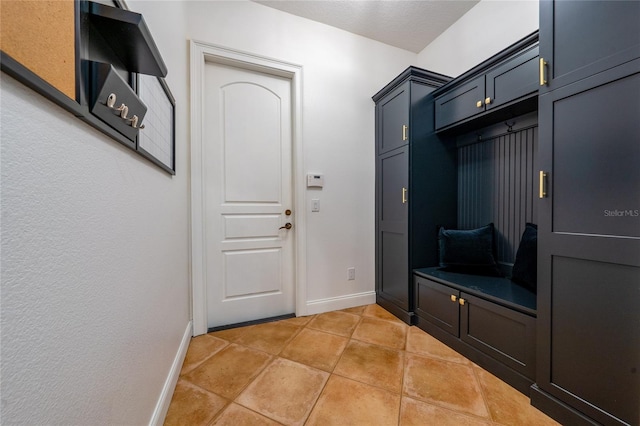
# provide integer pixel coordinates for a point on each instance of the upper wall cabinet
(506, 79)
(602, 38)
(511, 80)
(394, 128)
(460, 103)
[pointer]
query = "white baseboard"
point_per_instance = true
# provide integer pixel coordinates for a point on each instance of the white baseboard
(320, 306)
(162, 406)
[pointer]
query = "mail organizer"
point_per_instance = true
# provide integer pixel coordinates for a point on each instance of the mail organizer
(114, 101)
(115, 45)
(123, 37)
(112, 50)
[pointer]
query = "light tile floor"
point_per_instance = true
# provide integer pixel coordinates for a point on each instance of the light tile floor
(358, 366)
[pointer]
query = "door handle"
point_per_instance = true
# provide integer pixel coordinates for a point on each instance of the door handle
(286, 226)
(404, 195)
(543, 79)
(543, 184)
(405, 128)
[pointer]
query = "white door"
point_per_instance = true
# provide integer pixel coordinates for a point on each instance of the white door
(248, 195)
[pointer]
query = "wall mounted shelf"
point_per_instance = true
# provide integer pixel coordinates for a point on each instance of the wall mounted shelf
(128, 37)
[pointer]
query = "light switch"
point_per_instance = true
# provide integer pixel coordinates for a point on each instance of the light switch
(315, 205)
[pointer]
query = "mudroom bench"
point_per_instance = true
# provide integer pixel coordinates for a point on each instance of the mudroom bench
(490, 320)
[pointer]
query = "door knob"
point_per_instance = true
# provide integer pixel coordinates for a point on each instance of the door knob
(286, 226)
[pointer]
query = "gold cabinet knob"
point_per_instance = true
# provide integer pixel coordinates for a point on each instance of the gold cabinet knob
(461, 301)
(453, 298)
(479, 104)
(487, 101)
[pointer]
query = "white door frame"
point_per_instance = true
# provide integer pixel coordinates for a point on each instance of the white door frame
(201, 53)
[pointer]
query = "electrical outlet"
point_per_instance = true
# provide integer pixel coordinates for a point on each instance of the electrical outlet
(351, 274)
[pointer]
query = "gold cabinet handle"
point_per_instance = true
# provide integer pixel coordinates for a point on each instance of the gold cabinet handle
(479, 104)
(487, 101)
(543, 79)
(461, 301)
(405, 128)
(543, 184)
(404, 195)
(453, 298)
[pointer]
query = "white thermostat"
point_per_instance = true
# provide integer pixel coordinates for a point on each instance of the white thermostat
(315, 180)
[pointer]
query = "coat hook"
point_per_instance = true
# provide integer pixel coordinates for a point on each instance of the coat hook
(509, 126)
(111, 100)
(134, 122)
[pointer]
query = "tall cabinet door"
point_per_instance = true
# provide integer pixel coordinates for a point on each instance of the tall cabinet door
(393, 226)
(589, 245)
(584, 37)
(393, 119)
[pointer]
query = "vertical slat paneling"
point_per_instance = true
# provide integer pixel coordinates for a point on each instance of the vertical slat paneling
(496, 183)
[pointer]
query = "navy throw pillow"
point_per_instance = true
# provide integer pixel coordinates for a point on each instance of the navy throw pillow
(468, 251)
(526, 265)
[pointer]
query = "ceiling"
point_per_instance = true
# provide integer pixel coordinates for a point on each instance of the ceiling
(407, 24)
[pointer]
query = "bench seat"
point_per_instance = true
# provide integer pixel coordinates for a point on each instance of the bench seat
(490, 320)
(496, 289)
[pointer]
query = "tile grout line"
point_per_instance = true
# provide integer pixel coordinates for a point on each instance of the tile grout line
(483, 392)
(331, 373)
(198, 364)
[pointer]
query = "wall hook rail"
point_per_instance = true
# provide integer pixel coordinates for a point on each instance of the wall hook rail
(124, 111)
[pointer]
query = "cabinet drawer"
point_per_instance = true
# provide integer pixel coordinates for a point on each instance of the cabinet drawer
(461, 103)
(516, 78)
(504, 334)
(436, 304)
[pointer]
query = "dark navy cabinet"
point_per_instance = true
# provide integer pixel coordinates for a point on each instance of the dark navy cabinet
(393, 127)
(505, 79)
(490, 320)
(407, 214)
(582, 38)
(461, 103)
(589, 209)
(393, 227)
(512, 79)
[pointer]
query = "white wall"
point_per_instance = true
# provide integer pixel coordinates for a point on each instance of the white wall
(95, 266)
(486, 29)
(341, 72)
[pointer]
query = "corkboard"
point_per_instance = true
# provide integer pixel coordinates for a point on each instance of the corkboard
(40, 34)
